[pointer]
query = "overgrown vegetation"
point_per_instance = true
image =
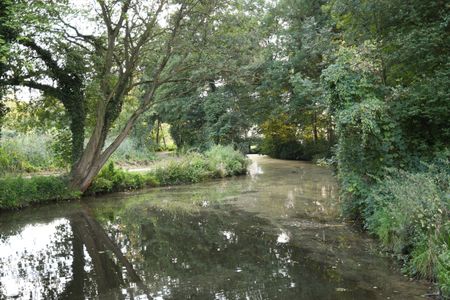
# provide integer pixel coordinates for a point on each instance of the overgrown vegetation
(16, 192)
(22, 153)
(410, 213)
(112, 179)
(218, 162)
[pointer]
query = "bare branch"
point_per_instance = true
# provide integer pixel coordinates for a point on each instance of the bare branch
(87, 38)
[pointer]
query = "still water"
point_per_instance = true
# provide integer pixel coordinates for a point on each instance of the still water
(274, 234)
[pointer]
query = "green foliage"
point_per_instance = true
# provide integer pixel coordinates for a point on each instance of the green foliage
(368, 141)
(225, 161)
(409, 212)
(16, 192)
(201, 121)
(218, 162)
(112, 179)
(387, 87)
(282, 139)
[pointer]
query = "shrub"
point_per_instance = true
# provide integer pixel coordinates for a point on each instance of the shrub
(189, 169)
(16, 192)
(219, 161)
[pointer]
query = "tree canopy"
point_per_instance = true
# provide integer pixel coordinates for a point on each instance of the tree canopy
(360, 85)
(363, 83)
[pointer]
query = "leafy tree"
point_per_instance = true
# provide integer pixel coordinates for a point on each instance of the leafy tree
(130, 50)
(41, 58)
(300, 43)
(217, 104)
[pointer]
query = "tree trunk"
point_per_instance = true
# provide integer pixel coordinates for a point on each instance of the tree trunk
(157, 133)
(330, 132)
(315, 134)
(77, 129)
(93, 158)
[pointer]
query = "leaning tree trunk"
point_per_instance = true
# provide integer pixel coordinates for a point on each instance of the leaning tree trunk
(94, 157)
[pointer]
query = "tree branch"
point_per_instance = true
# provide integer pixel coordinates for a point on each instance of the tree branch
(47, 89)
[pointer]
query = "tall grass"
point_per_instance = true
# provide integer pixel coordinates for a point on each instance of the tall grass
(24, 153)
(410, 213)
(35, 152)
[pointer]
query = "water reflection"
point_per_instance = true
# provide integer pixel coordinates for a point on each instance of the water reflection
(273, 235)
(39, 254)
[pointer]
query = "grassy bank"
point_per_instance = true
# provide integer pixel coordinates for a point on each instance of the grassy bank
(193, 167)
(409, 211)
(218, 162)
(17, 192)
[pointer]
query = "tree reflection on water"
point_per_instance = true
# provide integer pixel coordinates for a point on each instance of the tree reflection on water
(273, 235)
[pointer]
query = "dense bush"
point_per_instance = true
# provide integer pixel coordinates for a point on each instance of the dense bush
(407, 210)
(18, 192)
(410, 213)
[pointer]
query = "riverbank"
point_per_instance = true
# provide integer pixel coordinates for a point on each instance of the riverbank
(409, 212)
(218, 162)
